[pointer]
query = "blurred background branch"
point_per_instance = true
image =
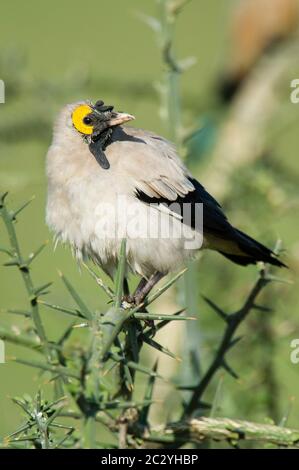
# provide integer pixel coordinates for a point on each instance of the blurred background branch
(231, 431)
(244, 136)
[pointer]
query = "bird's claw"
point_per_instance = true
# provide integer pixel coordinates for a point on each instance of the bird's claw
(128, 301)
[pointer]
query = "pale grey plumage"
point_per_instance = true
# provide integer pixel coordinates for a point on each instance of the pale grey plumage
(78, 188)
(143, 168)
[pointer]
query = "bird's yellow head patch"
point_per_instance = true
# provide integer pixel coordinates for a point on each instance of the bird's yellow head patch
(81, 119)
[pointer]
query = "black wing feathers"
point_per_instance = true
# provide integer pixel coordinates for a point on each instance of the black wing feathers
(215, 223)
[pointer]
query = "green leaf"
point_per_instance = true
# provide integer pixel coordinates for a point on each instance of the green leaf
(23, 339)
(128, 379)
(136, 366)
(68, 311)
(64, 438)
(158, 317)
(133, 340)
(6, 251)
(151, 21)
(2, 199)
(159, 347)
(32, 437)
(64, 337)
(34, 254)
(174, 316)
(145, 370)
(41, 290)
(286, 414)
(120, 275)
(162, 289)
(13, 214)
(61, 401)
(23, 405)
(25, 313)
(148, 395)
(54, 415)
(83, 308)
(48, 367)
(12, 262)
(99, 281)
(20, 430)
(217, 398)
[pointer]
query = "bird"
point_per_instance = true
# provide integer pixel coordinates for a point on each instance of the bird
(257, 26)
(108, 181)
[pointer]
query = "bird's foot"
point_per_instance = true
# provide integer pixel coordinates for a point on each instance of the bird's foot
(128, 301)
(141, 292)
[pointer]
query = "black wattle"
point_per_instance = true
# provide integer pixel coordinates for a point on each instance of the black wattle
(96, 149)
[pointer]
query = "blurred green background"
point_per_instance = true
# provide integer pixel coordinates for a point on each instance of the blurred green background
(52, 53)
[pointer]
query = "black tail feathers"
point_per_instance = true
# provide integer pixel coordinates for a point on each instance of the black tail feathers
(253, 251)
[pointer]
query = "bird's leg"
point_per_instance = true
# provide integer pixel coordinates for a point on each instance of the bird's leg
(130, 298)
(139, 288)
(143, 289)
(126, 288)
(145, 286)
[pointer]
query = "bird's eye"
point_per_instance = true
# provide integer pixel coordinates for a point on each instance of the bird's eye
(87, 120)
(81, 119)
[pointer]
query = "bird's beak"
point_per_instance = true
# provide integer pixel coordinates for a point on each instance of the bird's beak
(120, 118)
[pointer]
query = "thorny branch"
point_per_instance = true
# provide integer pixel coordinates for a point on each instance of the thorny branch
(228, 341)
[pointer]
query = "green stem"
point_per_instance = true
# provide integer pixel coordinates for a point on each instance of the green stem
(21, 340)
(89, 433)
(24, 270)
(172, 75)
